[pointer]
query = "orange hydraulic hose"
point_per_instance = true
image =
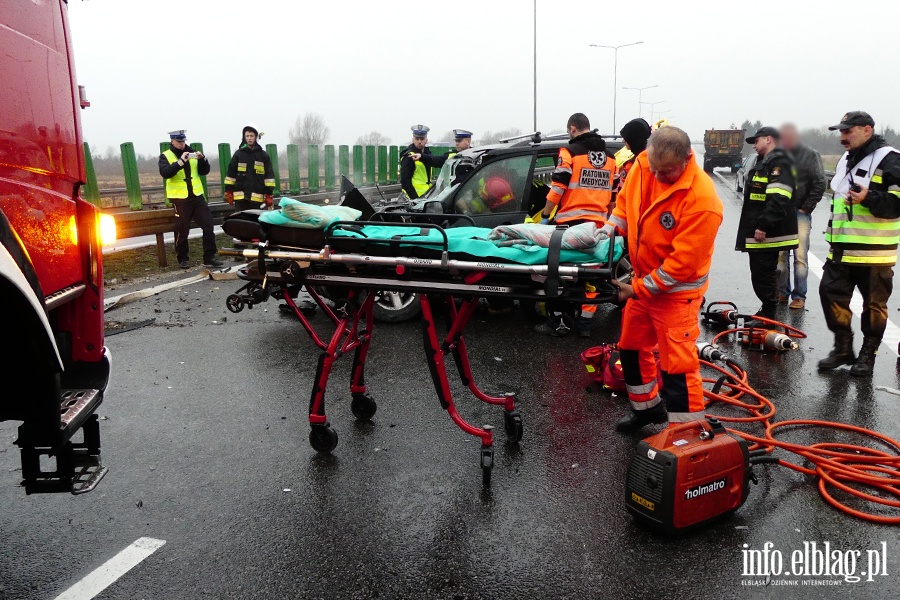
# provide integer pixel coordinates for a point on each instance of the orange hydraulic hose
(789, 330)
(846, 467)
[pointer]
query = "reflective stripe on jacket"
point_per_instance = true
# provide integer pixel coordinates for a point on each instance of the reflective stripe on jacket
(582, 183)
(769, 205)
(177, 185)
(250, 175)
(671, 229)
(861, 238)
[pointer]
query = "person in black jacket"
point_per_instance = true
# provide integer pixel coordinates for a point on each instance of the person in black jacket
(250, 181)
(768, 222)
(810, 186)
(181, 167)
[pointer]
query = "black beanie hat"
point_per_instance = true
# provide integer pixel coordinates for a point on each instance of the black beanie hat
(636, 132)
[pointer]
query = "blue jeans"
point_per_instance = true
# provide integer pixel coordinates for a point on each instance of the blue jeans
(801, 266)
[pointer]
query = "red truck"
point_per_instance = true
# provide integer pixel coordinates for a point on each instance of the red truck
(53, 362)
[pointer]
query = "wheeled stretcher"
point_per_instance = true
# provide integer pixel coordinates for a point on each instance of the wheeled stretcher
(342, 268)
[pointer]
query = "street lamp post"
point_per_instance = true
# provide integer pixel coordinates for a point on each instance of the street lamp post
(652, 104)
(615, 71)
(535, 65)
(640, 91)
(662, 112)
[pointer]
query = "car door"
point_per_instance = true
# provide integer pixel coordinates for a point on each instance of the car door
(497, 193)
(741, 176)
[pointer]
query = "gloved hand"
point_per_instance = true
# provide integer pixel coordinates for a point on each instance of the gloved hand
(269, 200)
(545, 221)
(229, 197)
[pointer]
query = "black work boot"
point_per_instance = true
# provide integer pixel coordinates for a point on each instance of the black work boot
(865, 362)
(842, 354)
(639, 418)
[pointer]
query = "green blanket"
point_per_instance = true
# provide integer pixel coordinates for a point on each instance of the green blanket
(474, 241)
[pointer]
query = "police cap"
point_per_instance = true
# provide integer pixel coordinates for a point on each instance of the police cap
(420, 130)
(461, 134)
(178, 134)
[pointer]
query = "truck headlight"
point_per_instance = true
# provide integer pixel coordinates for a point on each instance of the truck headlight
(107, 229)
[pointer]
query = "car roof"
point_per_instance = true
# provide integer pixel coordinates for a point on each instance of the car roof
(531, 144)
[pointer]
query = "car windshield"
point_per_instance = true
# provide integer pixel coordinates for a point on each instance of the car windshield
(442, 183)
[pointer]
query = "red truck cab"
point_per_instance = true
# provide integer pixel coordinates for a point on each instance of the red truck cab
(53, 362)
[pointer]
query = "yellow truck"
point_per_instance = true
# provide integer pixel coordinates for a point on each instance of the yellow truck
(722, 149)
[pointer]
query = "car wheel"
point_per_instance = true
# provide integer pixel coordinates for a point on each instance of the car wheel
(395, 307)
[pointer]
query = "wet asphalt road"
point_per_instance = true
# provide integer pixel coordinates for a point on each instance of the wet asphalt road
(205, 434)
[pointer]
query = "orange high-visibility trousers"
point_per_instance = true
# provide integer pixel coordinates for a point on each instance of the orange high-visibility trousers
(673, 325)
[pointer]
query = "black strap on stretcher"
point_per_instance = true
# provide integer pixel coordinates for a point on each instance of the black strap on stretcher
(554, 248)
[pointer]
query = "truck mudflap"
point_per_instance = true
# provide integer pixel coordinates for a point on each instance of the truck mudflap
(78, 467)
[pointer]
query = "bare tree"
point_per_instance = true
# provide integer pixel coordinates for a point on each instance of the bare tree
(447, 137)
(309, 129)
(373, 138)
(493, 138)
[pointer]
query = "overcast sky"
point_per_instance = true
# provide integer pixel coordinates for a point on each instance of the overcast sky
(210, 66)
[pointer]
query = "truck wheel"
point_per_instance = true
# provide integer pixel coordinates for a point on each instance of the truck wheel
(707, 167)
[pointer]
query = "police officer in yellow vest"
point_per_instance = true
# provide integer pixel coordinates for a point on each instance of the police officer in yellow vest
(462, 139)
(415, 174)
(181, 167)
(864, 230)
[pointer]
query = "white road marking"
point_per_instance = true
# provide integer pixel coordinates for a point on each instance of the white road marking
(891, 332)
(106, 574)
(816, 266)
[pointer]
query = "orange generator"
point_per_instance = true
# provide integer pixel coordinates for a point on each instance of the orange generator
(688, 475)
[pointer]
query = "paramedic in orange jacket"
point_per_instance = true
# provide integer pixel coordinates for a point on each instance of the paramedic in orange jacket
(581, 185)
(671, 214)
(581, 190)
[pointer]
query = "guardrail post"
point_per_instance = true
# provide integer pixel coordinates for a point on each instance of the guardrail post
(163, 146)
(394, 169)
(90, 191)
(224, 160)
(293, 156)
(198, 147)
(272, 151)
(382, 164)
(312, 174)
(132, 180)
(344, 160)
(370, 164)
(329, 167)
(357, 165)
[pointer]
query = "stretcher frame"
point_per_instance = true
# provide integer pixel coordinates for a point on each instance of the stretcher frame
(344, 264)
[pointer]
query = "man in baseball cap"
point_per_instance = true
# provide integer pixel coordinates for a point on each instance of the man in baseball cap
(863, 232)
(768, 217)
(764, 132)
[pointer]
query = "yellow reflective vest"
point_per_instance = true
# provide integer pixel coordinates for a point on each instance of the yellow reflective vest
(177, 185)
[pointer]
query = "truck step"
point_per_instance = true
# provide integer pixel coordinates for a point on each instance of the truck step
(78, 465)
(76, 405)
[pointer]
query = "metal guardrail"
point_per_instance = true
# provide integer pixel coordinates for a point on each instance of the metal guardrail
(160, 219)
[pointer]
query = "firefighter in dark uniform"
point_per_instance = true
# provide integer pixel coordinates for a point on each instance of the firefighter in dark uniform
(768, 222)
(181, 168)
(415, 174)
(250, 181)
(864, 231)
